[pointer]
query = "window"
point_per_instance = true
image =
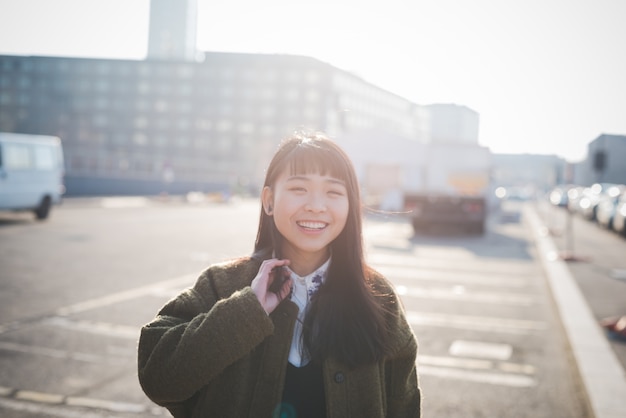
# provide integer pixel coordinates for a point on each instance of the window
(102, 85)
(203, 124)
(5, 98)
(182, 124)
(101, 102)
(312, 95)
(163, 123)
(141, 122)
(224, 125)
(100, 120)
(143, 87)
(185, 89)
(312, 77)
(185, 71)
(292, 94)
(63, 66)
(246, 128)
(44, 158)
(222, 145)
(140, 139)
(103, 67)
(17, 157)
(24, 82)
(160, 106)
(182, 141)
(145, 70)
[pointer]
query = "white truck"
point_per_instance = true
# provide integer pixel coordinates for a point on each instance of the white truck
(31, 173)
(450, 187)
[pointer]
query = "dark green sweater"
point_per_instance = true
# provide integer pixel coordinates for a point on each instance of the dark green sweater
(213, 352)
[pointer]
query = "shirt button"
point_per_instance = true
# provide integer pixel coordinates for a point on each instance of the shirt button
(339, 377)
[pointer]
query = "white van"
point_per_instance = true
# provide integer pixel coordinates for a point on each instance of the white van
(31, 173)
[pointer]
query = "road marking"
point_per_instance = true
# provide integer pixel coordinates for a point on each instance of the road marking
(28, 395)
(479, 349)
(107, 300)
(60, 354)
(92, 327)
(475, 323)
(52, 404)
(499, 379)
(124, 202)
(475, 364)
(454, 362)
(460, 293)
(5, 391)
(419, 261)
(456, 277)
(106, 405)
(124, 295)
(45, 410)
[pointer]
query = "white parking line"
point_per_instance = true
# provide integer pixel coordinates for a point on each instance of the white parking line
(51, 404)
(475, 323)
(500, 379)
(475, 364)
(92, 327)
(457, 277)
(43, 410)
(60, 354)
(481, 349)
(461, 293)
(123, 296)
(417, 260)
(124, 202)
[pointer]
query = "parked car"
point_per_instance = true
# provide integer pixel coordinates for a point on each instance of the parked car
(605, 210)
(574, 195)
(619, 218)
(31, 173)
(591, 197)
(558, 195)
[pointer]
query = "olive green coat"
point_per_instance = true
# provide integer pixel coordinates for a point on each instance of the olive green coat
(213, 352)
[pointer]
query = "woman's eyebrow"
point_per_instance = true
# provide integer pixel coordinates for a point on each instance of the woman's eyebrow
(327, 180)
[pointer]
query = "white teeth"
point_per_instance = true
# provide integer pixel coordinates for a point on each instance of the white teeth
(312, 225)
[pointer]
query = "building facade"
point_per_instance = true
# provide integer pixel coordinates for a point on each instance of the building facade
(172, 32)
(605, 162)
(157, 125)
(531, 172)
(454, 123)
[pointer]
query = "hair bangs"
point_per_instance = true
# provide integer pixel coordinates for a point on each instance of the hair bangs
(311, 158)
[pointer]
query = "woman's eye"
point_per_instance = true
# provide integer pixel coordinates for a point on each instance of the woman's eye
(336, 192)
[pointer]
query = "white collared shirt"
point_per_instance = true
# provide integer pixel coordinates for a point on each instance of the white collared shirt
(302, 290)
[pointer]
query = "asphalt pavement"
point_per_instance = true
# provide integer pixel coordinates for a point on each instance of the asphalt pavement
(584, 291)
(581, 292)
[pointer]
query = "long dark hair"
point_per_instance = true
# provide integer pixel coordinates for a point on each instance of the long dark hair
(345, 320)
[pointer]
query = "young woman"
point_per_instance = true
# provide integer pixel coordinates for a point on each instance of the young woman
(303, 327)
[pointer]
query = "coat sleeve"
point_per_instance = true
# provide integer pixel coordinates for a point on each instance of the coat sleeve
(402, 386)
(403, 392)
(196, 336)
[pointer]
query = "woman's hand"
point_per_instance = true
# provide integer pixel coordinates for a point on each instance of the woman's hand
(264, 279)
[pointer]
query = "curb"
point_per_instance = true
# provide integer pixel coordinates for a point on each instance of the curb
(603, 377)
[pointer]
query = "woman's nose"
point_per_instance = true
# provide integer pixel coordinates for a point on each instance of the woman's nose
(316, 203)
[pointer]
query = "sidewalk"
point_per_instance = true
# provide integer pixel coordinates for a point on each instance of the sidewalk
(602, 374)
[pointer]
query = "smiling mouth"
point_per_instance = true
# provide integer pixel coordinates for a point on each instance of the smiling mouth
(314, 226)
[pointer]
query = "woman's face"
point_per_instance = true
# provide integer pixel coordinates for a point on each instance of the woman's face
(310, 211)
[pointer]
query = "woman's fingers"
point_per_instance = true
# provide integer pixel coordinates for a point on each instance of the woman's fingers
(285, 289)
(268, 274)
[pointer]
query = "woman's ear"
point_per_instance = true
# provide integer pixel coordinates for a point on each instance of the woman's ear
(267, 198)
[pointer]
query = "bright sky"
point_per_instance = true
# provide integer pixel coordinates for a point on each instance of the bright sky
(546, 76)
